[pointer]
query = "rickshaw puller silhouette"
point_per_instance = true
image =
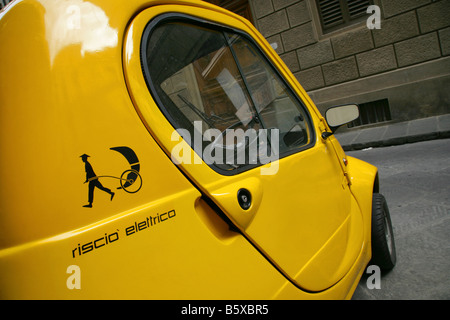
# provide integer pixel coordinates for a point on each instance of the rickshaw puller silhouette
(128, 178)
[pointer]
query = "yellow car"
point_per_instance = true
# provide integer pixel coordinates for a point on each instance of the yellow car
(162, 150)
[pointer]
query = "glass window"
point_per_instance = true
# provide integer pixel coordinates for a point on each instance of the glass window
(218, 85)
(275, 105)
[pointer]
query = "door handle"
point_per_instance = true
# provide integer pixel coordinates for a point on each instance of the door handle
(239, 201)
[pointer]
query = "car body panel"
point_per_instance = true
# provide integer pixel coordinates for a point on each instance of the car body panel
(63, 94)
(305, 237)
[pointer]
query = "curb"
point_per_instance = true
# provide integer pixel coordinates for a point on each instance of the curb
(425, 129)
(396, 141)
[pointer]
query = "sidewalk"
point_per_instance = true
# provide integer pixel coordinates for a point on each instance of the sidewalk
(437, 127)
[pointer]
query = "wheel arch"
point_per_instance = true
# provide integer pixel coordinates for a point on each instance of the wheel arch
(365, 182)
(364, 179)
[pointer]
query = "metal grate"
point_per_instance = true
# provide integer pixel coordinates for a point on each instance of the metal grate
(337, 13)
(330, 13)
(372, 112)
(357, 8)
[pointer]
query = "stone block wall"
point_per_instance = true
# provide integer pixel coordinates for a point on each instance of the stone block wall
(413, 32)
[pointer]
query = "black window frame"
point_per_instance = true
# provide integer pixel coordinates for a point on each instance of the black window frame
(345, 17)
(185, 18)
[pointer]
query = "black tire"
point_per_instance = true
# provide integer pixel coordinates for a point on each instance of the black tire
(383, 245)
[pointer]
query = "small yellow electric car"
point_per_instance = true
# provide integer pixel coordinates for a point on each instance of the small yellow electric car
(162, 150)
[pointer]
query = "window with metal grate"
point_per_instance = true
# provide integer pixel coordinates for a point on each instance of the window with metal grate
(372, 112)
(335, 14)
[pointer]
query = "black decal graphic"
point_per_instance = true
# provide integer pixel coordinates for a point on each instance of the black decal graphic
(135, 166)
(130, 180)
(92, 178)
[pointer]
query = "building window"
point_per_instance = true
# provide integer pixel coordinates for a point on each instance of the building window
(335, 14)
(372, 112)
(240, 7)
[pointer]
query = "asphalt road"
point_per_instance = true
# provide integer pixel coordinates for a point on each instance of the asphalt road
(415, 179)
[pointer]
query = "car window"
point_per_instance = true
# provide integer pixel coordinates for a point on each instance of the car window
(218, 85)
(276, 106)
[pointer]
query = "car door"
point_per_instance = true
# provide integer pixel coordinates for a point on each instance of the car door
(223, 107)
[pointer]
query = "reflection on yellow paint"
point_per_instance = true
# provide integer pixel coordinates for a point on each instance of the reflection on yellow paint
(77, 22)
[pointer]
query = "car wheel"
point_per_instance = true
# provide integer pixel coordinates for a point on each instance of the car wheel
(383, 245)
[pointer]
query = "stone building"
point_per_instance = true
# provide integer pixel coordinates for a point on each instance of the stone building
(398, 72)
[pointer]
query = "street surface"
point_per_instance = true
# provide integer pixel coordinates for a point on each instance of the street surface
(415, 179)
